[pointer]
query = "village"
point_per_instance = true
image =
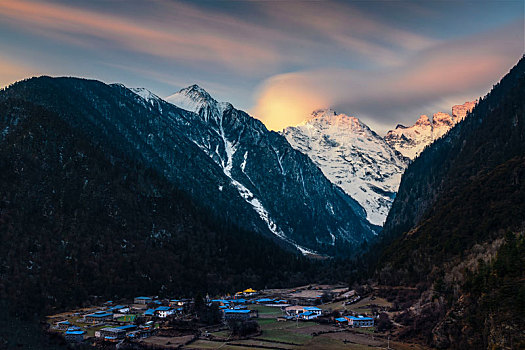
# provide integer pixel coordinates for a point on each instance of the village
(314, 316)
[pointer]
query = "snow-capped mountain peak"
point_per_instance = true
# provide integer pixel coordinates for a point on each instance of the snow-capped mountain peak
(192, 98)
(353, 157)
(459, 112)
(423, 120)
(329, 116)
(412, 140)
(195, 99)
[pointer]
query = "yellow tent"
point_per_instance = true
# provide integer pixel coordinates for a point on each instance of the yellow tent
(249, 290)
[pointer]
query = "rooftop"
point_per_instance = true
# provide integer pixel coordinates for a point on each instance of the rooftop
(106, 314)
(236, 311)
(163, 308)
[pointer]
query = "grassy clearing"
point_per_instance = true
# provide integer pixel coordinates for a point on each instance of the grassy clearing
(271, 323)
(266, 311)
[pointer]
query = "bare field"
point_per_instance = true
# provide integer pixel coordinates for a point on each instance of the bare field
(167, 342)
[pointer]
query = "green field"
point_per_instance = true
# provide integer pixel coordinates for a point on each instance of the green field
(266, 311)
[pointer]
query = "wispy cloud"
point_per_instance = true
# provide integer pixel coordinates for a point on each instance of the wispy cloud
(447, 71)
(178, 39)
(380, 60)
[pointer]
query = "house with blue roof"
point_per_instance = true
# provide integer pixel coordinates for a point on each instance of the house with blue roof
(221, 302)
(164, 311)
(308, 315)
(264, 301)
(127, 328)
(341, 321)
(149, 312)
(232, 314)
(360, 321)
(98, 317)
(74, 336)
(304, 312)
(63, 324)
(142, 300)
(111, 334)
(121, 309)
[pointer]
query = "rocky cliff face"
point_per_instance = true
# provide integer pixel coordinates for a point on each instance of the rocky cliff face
(411, 141)
(353, 157)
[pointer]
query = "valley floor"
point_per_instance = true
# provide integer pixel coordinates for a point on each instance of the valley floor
(275, 331)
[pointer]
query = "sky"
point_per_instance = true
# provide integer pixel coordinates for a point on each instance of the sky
(385, 62)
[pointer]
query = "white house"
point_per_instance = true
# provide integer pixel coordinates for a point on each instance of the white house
(304, 312)
(164, 311)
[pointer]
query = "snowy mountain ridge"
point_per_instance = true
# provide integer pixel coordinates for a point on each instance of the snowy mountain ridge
(353, 157)
(411, 141)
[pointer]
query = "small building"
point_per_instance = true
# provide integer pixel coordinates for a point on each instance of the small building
(62, 325)
(236, 314)
(315, 310)
(308, 315)
(112, 334)
(127, 328)
(98, 316)
(341, 321)
(249, 292)
(264, 301)
(142, 300)
(121, 309)
(221, 302)
(176, 302)
(360, 321)
(149, 312)
(74, 335)
(164, 311)
(297, 310)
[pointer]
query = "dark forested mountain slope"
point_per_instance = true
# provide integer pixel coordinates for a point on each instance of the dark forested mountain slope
(458, 221)
(76, 222)
(222, 158)
(492, 134)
